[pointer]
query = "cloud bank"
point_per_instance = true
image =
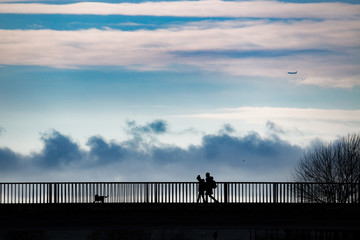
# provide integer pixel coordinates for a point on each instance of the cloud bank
(250, 9)
(240, 38)
(246, 157)
(240, 48)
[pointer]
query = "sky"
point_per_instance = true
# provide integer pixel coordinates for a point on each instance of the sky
(166, 90)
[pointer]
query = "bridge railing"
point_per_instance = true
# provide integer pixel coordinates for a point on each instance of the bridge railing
(177, 192)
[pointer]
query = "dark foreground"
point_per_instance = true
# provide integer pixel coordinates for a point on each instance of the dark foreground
(179, 221)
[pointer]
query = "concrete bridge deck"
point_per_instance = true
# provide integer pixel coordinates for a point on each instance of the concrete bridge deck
(179, 221)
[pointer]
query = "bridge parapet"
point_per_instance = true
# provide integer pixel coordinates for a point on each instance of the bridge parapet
(177, 192)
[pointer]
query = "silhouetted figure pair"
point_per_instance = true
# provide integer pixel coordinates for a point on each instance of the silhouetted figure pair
(206, 187)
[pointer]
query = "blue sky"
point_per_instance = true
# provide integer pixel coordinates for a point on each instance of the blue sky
(165, 90)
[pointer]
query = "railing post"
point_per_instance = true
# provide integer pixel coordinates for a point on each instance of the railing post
(55, 193)
(225, 192)
(302, 192)
(49, 192)
(275, 192)
(147, 192)
(156, 192)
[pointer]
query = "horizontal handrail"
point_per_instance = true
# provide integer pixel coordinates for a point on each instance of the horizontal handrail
(176, 192)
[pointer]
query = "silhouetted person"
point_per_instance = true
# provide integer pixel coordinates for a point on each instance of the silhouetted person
(210, 184)
(202, 189)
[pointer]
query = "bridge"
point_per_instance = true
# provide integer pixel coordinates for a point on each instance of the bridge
(169, 211)
(177, 192)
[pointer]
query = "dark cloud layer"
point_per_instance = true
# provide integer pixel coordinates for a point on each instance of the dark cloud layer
(103, 152)
(59, 150)
(155, 127)
(9, 160)
(62, 154)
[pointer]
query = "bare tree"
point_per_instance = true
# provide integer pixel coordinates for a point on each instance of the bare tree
(331, 171)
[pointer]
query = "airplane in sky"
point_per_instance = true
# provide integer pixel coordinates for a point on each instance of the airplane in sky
(292, 72)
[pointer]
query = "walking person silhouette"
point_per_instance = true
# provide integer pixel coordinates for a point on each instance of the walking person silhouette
(210, 184)
(202, 189)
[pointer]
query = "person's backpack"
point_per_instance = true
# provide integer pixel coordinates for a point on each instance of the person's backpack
(213, 184)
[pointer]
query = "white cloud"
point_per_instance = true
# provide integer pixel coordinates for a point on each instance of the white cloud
(324, 53)
(299, 114)
(257, 9)
(302, 125)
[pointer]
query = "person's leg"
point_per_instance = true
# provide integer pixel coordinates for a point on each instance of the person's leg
(203, 197)
(213, 198)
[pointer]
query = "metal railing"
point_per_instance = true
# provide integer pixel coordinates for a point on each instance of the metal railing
(177, 192)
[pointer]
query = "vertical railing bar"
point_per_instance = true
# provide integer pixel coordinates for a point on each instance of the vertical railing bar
(7, 193)
(38, 195)
(256, 192)
(41, 193)
(188, 192)
(115, 193)
(12, 193)
(167, 198)
(140, 192)
(80, 193)
(232, 192)
(132, 192)
(126, 199)
(38, 189)
(244, 192)
(245, 186)
(4, 193)
(235, 192)
(111, 189)
(175, 193)
(21, 193)
(16, 193)
(121, 193)
(125, 193)
(66, 193)
(61, 192)
(247, 192)
(15, 197)
(31, 193)
(252, 192)
(73, 193)
(87, 192)
(58, 192)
